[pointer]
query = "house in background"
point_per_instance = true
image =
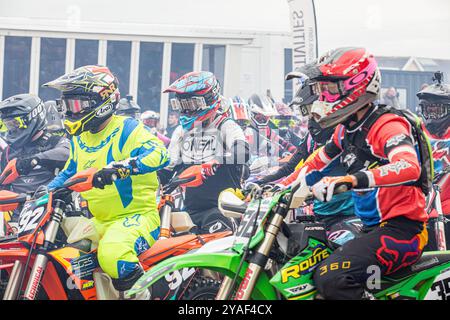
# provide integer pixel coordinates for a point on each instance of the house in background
(408, 74)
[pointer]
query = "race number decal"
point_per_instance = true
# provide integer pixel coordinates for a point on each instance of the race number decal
(245, 230)
(440, 289)
(30, 218)
(176, 278)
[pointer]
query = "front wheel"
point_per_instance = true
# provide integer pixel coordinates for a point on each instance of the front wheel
(201, 288)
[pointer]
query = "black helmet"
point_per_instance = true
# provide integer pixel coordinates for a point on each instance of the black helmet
(434, 101)
(24, 115)
(89, 97)
(127, 107)
(54, 121)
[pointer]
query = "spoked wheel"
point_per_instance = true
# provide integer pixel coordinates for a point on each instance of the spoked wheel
(201, 288)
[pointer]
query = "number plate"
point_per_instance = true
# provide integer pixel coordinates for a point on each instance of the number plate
(245, 229)
(31, 215)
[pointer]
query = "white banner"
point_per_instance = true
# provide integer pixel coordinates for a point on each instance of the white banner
(304, 32)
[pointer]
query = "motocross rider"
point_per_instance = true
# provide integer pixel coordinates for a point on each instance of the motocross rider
(34, 152)
(125, 211)
(264, 140)
(151, 119)
(376, 146)
(434, 102)
(209, 141)
(341, 206)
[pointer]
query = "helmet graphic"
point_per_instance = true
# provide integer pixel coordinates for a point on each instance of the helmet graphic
(261, 109)
(346, 80)
(197, 97)
(89, 97)
(239, 111)
(24, 116)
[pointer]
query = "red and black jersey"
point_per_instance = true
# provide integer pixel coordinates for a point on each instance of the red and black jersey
(380, 152)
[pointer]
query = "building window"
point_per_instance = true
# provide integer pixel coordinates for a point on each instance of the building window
(214, 61)
(86, 52)
(118, 58)
(288, 85)
(150, 70)
(51, 66)
(182, 60)
(16, 70)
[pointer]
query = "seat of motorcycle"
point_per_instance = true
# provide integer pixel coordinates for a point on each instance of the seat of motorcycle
(428, 260)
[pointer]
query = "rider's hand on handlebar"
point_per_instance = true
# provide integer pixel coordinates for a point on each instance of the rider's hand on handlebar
(108, 175)
(25, 165)
(327, 187)
(209, 168)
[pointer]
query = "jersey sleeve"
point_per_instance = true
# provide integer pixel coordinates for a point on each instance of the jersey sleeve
(175, 148)
(148, 151)
(391, 139)
(322, 160)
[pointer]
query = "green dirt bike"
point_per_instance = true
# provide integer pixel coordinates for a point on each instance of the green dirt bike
(271, 259)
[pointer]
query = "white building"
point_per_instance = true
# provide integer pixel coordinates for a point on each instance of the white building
(148, 44)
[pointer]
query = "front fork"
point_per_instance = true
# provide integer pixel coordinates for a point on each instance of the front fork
(40, 262)
(440, 222)
(258, 261)
(166, 215)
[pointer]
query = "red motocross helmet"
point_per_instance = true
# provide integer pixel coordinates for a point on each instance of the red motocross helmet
(346, 80)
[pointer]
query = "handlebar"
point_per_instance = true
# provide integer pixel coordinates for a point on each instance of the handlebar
(175, 182)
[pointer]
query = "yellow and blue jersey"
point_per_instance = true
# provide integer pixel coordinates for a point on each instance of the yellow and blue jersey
(123, 138)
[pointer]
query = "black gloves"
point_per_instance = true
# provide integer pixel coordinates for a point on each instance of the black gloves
(25, 165)
(107, 176)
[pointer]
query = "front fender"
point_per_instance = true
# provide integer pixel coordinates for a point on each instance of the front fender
(225, 263)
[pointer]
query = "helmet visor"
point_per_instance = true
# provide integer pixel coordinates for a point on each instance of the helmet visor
(435, 111)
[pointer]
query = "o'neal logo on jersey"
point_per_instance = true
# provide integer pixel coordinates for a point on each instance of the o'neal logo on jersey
(202, 148)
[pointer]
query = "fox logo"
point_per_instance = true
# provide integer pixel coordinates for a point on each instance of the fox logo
(395, 254)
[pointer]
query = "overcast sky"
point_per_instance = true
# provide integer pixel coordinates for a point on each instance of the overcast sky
(386, 27)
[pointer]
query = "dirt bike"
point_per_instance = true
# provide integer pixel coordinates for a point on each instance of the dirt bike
(8, 176)
(53, 255)
(271, 260)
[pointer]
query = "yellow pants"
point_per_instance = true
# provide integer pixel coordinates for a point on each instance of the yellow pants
(122, 240)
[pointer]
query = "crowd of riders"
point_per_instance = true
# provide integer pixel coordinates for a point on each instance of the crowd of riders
(334, 131)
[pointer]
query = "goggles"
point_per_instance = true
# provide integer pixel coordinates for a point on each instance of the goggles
(76, 105)
(284, 122)
(329, 91)
(434, 111)
(188, 105)
(260, 119)
(13, 124)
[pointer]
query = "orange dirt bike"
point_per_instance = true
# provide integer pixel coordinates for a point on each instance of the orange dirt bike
(53, 255)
